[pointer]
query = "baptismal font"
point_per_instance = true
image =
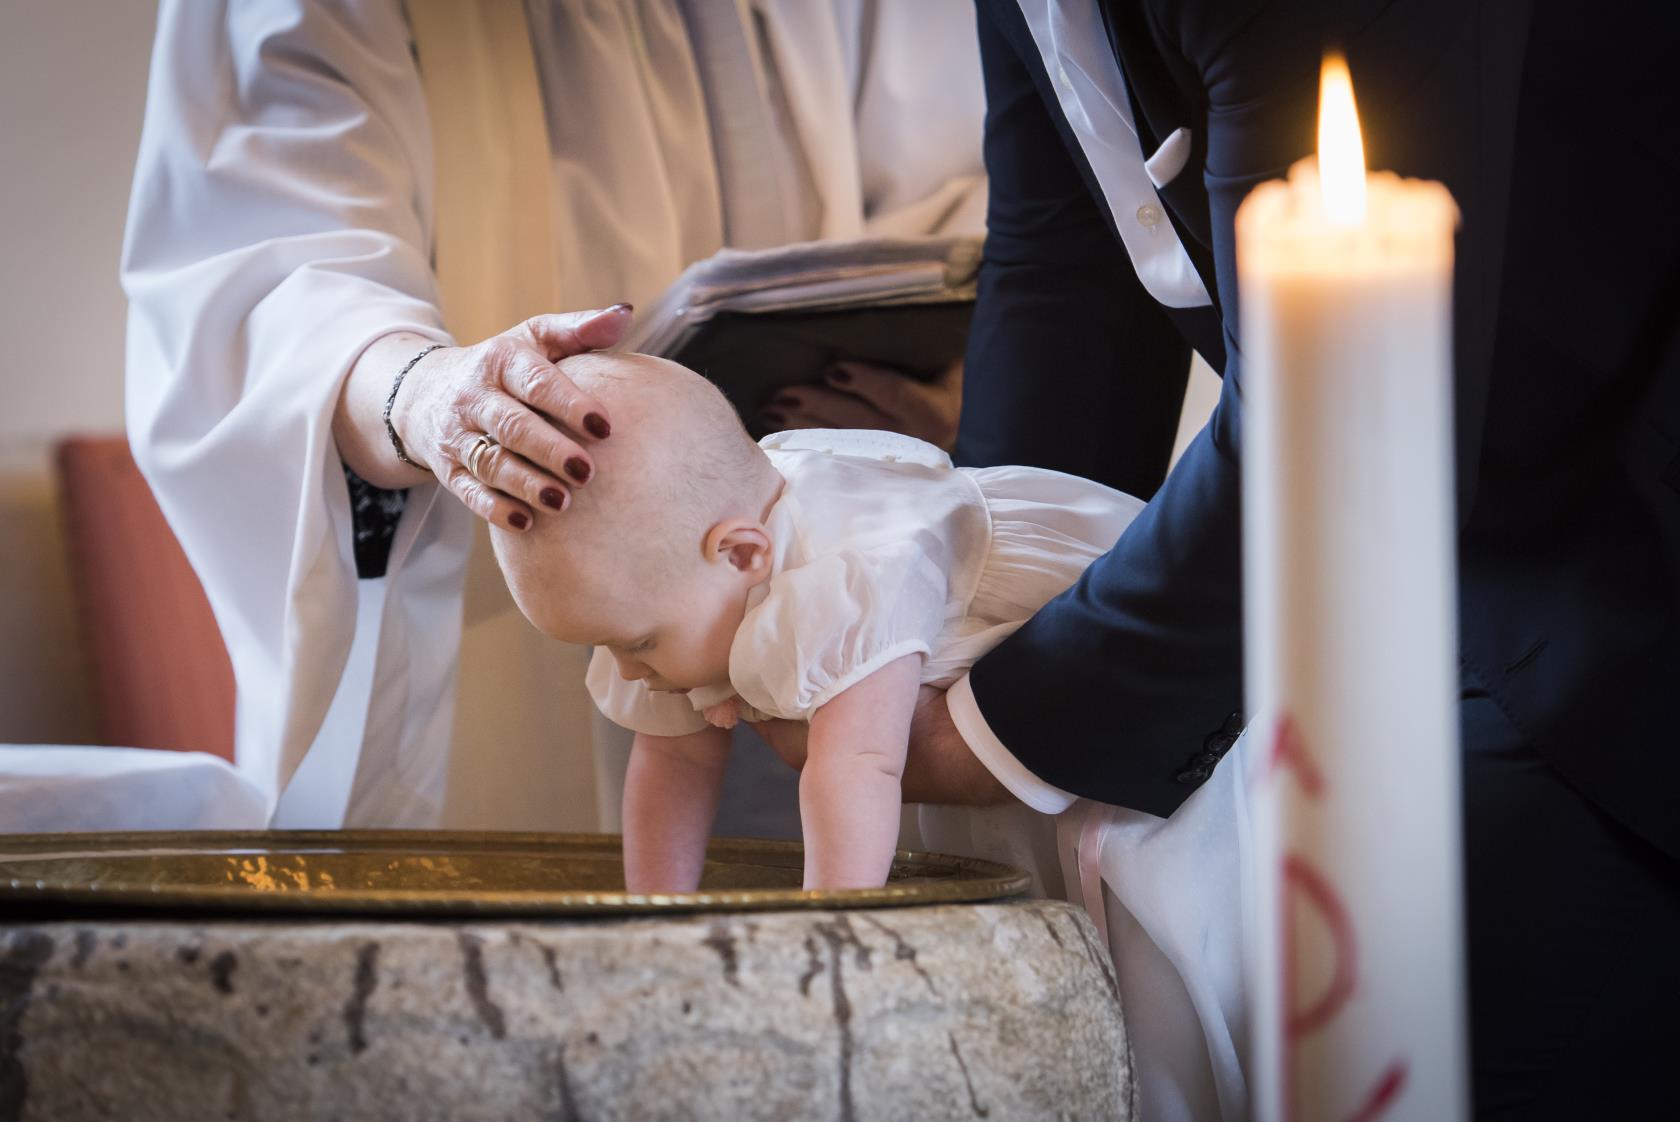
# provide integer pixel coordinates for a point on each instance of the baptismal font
(409, 975)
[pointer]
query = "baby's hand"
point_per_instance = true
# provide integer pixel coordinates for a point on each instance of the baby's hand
(725, 714)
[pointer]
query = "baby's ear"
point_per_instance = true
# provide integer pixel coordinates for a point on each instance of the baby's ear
(743, 544)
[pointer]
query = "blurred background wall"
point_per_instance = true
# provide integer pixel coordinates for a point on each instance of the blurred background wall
(72, 89)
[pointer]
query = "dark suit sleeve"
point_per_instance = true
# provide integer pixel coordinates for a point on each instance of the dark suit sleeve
(1070, 364)
(1122, 689)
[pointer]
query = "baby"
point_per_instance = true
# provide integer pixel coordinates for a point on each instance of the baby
(820, 576)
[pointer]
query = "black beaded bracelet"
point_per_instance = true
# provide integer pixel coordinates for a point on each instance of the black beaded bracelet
(396, 384)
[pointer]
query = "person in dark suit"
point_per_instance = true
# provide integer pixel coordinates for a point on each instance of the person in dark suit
(1553, 128)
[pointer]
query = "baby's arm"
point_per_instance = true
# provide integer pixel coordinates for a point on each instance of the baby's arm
(670, 798)
(849, 790)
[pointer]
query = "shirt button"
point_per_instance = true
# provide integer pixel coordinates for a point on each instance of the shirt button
(1149, 216)
(1061, 76)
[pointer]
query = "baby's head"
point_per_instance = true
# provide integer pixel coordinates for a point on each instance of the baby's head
(655, 558)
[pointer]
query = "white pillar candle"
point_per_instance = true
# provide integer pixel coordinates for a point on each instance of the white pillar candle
(1350, 592)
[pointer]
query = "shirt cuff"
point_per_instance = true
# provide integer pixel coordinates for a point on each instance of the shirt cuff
(1000, 761)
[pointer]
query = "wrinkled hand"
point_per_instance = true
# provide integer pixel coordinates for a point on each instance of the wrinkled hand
(508, 387)
(864, 395)
(939, 768)
(725, 714)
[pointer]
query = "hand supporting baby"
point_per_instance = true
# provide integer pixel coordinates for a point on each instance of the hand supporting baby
(939, 768)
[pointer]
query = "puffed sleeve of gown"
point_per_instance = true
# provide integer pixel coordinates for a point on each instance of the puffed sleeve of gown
(828, 624)
(279, 223)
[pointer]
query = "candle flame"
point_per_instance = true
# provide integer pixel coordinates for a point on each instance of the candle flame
(1341, 149)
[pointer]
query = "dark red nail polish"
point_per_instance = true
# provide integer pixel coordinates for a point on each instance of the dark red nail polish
(597, 426)
(578, 468)
(622, 307)
(839, 377)
(553, 498)
(519, 520)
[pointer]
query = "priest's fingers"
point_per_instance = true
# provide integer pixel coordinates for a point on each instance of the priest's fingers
(455, 396)
(545, 388)
(492, 505)
(560, 334)
(774, 420)
(499, 467)
(940, 767)
(547, 450)
(807, 407)
(927, 410)
(787, 738)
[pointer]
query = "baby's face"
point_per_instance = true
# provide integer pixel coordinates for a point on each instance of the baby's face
(655, 559)
(681, 645)
(674, 637)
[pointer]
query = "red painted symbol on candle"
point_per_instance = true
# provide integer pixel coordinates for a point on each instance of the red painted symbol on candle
(1383, 1095)
(1304, 886)
(1289, 749)
(1301, 879)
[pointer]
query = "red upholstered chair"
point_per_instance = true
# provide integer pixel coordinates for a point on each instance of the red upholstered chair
(160, 671)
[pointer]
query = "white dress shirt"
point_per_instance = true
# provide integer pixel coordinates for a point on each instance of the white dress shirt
(1074, 45)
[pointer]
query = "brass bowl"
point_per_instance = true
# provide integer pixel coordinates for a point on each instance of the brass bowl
(423, 873)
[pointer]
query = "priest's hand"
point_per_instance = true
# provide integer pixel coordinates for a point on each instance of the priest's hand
(939, 768)
(864, 395)
(506, 388)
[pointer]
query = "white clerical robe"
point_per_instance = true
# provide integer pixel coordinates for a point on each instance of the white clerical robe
(291, 195)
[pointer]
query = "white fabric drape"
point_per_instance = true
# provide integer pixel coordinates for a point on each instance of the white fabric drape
(279, 223)
(59, 788)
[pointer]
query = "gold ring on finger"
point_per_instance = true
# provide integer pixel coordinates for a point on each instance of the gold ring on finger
(477, 451)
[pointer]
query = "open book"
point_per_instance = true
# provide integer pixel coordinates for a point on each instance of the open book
(757, 321)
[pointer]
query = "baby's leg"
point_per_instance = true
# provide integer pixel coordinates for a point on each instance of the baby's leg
(670, 799)
(849, 791)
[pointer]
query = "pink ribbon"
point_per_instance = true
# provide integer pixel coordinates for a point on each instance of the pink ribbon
(1094, 830)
